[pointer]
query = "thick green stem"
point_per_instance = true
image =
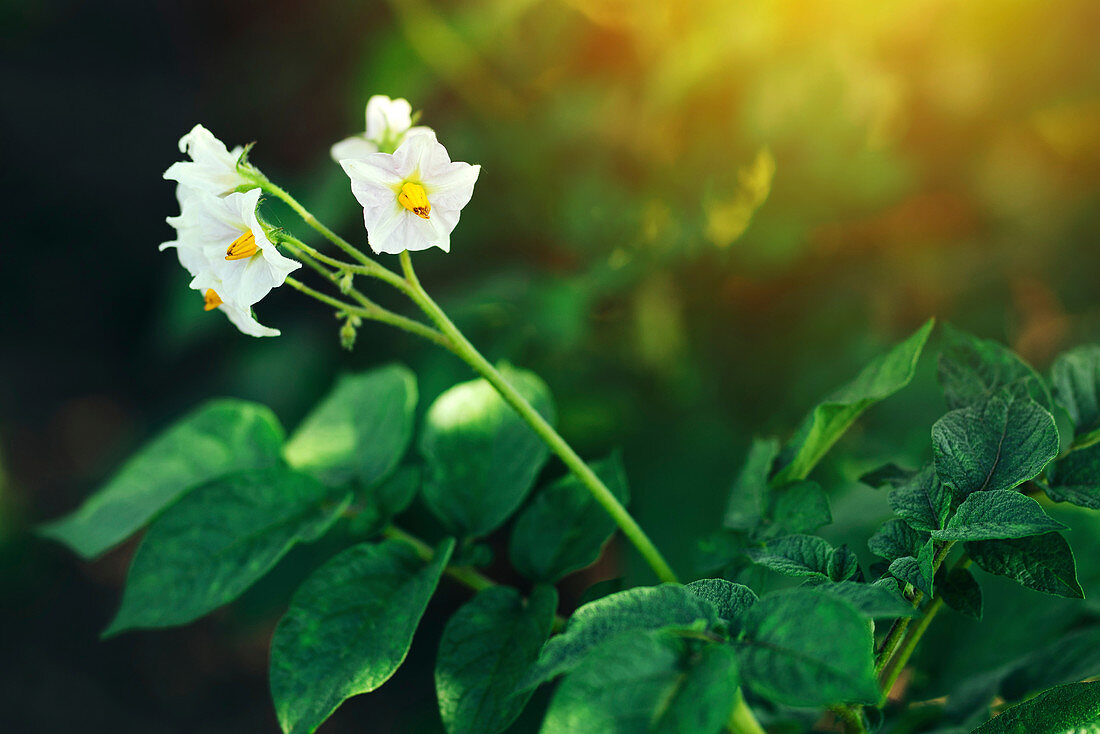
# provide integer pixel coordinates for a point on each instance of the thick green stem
(742, 720)
(464, 349)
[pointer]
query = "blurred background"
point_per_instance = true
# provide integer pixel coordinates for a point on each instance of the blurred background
(693, 220)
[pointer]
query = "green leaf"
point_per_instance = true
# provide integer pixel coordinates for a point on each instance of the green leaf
(730, 600)
(971, 370)
(380, 503)
(349, 628)
(843, 564)
(801, 507)
(874, 601)
(961, 592)
(218, 540)
(916, 571)
(802, 556)
(998, 444)
(1076, 378)
(924, 502)
(896, 539)
(634, 610)
(1067, 660)
(1043, 563)
(887, 475)
(831, 418)
(997, 515)
(220, 437)
(564, 528)
(787, 655)
(749, 495)
(487, 646)
(1070, 709)
(482, 458)
(360, 430)
(649, 683)
(1076, 478)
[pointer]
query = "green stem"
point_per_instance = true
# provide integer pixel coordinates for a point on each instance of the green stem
(464, 349)
(851, 717)
(312, 221)
(742, 720)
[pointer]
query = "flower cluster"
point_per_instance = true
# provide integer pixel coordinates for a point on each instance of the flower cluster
(410, 190)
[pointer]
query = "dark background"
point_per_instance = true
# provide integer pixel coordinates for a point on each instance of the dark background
(936, 158)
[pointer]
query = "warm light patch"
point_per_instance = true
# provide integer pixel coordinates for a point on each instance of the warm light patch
(213, 300)
(415, 199)
(243, 247)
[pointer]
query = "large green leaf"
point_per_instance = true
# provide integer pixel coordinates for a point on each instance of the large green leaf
(801, 507)
(1069, 709)
(1043, 562)
(377, 504)
(647, 684)
(360, 430)
(961, 592)
(996, 444)
(805, 647)
(349, 628)
(831, 418)
(634, 610)
(220, 437)
(879, 600)
(748, 499)
(801, 556)
(486, 648)
(482, 458)
(1076, 478)
(730, 600)
(916, 570)
(1076, 378)
(209, 547)
(924, 502)
(997, 515)
(564, 528)
(896, 539)
(971, 370)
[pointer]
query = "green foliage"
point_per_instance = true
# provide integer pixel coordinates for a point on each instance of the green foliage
(995, 444)
(786, 655)
(1076, 478)
(209, 547)
(896, 539)
(801, 507)
(349, 628)
(1076, 378)
(1042, 562)
(961, 592)
(481, 458)
(1069, 709)
(996, 515)
(916, 571)
(221, 437)
(379, 503)
(487, 647)
(805, 556)
(923, 501)
(630, 611)
(653, 682)
(360, 430)
(879, 600)
(749, 496)
(564, 528)
(831, 418)
(731, 601)
(972, 370)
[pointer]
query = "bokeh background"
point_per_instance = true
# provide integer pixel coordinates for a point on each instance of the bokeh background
(693, 220)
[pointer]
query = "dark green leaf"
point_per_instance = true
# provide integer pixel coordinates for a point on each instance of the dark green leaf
(564, 528)
(482, 458)
(209, 547)
(647, 684)
(349, 628)
(1043, 562)
(924, 502)
(887, 475)
(997, 444)
(971, 370)
(896, 539)
(731, 600)
(749, 496)
(961, 592)
(843, 564)
(803, 556)
(805, 647)
(633, 610)
(1067, 660)
(1070, 709)
(380, 503)
(996, 515)
(1076, 378)
(221, 437)
(832, 417)
(360, 430)
(916, 571)
(874, 601)
(1076, 478)
(801, 507)
(487, 646)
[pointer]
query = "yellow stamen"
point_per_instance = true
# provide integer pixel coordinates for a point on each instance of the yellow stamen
(213, 300)
(243, 247)
(414, 198)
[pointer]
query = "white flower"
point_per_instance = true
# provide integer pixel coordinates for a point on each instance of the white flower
(388, 122)
(232, 262)
(212, 167)
(412, 199)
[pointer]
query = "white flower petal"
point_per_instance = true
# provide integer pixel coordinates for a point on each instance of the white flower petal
(452, 185)
(242, 318)
(212, 167)
(374, 179)
(357, 146)
(387, 118)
